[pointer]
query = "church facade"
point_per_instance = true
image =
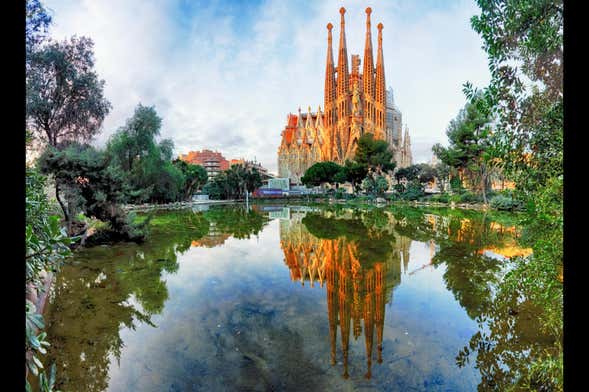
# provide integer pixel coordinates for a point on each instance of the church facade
(355, 103)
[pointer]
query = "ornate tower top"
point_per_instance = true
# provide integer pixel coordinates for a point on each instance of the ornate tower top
(342, 59)
(368, 71)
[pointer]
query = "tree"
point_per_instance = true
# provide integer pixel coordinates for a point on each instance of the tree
(410, 173)
(133, 149)
(320, 173)
(65, 98)
(375, 185)
(470, 149)
(241, 179)
(37, 25)
(92, 187)
(374, 154)
(524, 45)
(195, 176)
(354, 172)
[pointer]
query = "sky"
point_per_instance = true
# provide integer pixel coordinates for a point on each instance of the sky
(223, 75)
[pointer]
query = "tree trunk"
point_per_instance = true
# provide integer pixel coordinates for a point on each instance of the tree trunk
(66, 215)
(484, 180)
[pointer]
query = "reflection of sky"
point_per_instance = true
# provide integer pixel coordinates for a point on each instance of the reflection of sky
(234, 319)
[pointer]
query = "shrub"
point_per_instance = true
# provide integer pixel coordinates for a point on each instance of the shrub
(468, 197)
(441, 198)
(507, 203)
(414, 191)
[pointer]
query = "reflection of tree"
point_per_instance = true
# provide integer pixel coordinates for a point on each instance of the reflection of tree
(91, 304)
(236, 220)
(509, 336)
(113, 287)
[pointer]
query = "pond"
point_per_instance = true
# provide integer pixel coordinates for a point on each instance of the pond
(295, 298)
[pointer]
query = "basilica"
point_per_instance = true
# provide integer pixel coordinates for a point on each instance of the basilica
(355, 103)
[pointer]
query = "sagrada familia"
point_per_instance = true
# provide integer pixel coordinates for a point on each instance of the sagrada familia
(354, 104)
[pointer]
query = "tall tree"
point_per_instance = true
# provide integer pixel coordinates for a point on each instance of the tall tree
(470, 147)
(195, 176)
(37, 25)
(147, 162)
(374, 154)
(65, 98)
(320, 173)
(524, 44)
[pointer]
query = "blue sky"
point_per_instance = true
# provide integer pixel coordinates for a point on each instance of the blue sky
(224, 74)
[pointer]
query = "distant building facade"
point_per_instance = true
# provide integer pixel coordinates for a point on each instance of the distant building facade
(355, 103)
(212, 161)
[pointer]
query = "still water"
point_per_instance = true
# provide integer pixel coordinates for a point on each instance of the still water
(294, 298)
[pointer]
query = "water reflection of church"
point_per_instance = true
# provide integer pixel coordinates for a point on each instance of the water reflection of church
(356, 291)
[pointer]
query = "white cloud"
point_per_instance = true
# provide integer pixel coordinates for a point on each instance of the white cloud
(226, 81)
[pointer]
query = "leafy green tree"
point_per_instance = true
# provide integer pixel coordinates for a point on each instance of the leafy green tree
(470, 147)
(374, 154)
(524, 44)
(133, 149)
(37, 25)
(96, 188)
(195, 176)
(354, 172)
(410, 173)
(375, 185)
(241, 179)
(65, 98)
(321, 173)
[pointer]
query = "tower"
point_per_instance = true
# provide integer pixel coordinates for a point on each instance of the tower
(380, 90)
(342, 93)
(329, 98)
(368, 77)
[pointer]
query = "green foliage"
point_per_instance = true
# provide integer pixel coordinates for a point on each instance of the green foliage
(98, 188)
(148, 171)
(233, 182)
(355, 172)
(471, 148)
(441, 198)
(524, 43)
(322, 172)
(195, 176)
(375, 185)
(506, 203)
(374, 154)
(65, 98)
(47, 245)
(414, 191)
(456, 184)
(37, 25)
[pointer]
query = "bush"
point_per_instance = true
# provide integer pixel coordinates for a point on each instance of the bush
(441, 198)
(468, 197)
(506, 203)
(414, 191)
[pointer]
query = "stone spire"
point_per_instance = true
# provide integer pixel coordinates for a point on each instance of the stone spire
(309, 122)
(343, 75)
(380, 93)
(368, 70)
(407, 147)
(300, 128)
(309, 127)
(330, 86)
(319, 120)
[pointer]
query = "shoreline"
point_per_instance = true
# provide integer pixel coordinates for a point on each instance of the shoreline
(298, 199)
